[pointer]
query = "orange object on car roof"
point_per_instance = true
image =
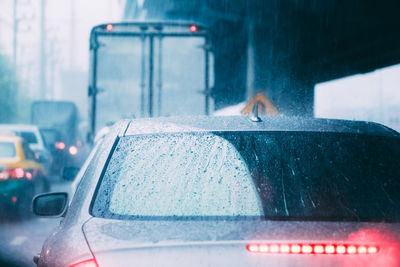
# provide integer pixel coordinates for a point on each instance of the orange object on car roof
(260, 98)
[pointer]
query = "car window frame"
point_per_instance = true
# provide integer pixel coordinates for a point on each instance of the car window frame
(28, 153)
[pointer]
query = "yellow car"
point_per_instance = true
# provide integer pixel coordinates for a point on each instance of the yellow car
(21, 176)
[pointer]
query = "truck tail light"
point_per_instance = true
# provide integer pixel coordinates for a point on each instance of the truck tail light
(109, 27)
(59, 145)
(193, 28)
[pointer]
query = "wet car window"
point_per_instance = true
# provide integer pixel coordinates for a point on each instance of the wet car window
(179, 175)
(306, 176)
(7, 150)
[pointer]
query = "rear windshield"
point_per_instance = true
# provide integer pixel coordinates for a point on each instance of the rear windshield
(271, 175)
(29, 137)
(50, 137)
(7, 150)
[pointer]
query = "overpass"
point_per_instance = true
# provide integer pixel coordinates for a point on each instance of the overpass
(284, 47)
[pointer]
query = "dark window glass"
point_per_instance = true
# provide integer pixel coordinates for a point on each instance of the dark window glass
(29, 137)
(275, 175)
(7, 150)
(50, 137)
(29, 155)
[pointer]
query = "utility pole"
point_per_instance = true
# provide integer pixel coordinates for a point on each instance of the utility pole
(15, 32)
(51, 72)
(72, 36)
(250, 90)
(43, 88)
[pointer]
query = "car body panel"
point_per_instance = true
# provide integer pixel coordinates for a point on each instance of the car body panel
(67, 244)
(243, 123)
(228, 254)
(210, 243)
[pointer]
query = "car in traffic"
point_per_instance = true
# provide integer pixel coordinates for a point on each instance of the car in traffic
(64, 154)
(33, 137)
(232, 191)
(21, 176)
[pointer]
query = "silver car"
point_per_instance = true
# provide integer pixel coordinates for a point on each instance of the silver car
(212, 191)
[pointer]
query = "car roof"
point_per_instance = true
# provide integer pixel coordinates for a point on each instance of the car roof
(20, 127)
(244, 123)
(10, 138)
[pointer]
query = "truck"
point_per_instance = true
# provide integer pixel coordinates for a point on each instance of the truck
(148, 69)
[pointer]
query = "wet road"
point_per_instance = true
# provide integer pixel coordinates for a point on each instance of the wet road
(21, 239)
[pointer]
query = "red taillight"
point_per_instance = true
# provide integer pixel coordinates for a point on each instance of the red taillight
(372, 250)
(256, 248)
(12, 173)
(346, 249)
(319, 249)
(294, 248)
(330, 249)
(284, 248)
(4, 175)
(109, 27)
(273, 248)
(306, 249)
(351, 250)
(18, 173)
(86, 263)
(340, 249)
(28, 175)
(60, 145)
(193, 28)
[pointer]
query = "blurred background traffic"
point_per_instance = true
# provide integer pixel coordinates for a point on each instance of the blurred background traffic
(43, 79)
(44, 61)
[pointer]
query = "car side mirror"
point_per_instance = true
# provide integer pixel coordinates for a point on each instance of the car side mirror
(69, 173)
(50, 204)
